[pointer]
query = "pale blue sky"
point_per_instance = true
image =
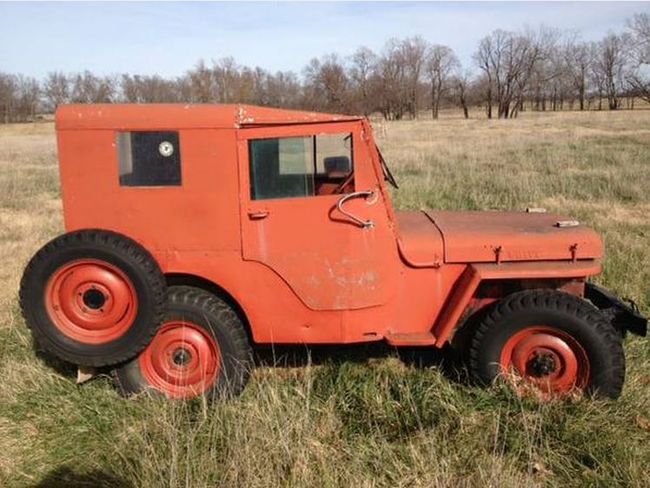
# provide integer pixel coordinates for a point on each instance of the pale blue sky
(168, 38)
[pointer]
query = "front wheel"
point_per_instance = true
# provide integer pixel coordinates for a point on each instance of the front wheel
(201, 348)
(555, 342)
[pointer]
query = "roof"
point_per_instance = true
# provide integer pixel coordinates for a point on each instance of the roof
(177, 115)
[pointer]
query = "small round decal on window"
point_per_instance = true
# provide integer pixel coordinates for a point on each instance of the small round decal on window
(166, 149)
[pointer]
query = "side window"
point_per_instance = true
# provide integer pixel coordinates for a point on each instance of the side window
(301, 166)
(281, 168)
(149, 158)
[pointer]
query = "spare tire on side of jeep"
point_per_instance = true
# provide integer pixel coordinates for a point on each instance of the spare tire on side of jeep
(93, 297)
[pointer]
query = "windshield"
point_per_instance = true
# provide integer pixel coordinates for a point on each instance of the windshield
(388, 176)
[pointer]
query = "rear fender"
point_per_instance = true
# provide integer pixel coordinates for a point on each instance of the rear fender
(623, 316)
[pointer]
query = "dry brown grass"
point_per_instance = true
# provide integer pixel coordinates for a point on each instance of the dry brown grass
(369, 423)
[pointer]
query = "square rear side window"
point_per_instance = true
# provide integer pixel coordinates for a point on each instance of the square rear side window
(149, 158)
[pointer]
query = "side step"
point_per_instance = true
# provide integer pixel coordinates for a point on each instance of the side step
(410, 339)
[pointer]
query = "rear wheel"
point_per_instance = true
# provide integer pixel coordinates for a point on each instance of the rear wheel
(551, 341)
(93, 298)
(200, 349)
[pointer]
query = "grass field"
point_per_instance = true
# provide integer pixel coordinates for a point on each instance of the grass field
(360, 417)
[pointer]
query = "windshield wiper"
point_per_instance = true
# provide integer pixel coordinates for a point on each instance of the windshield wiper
(388, 176)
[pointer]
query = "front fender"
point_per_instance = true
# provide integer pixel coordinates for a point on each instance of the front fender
(477, 273)
(623, 316)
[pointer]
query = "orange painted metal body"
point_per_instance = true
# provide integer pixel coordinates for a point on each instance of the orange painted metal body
(300, 270)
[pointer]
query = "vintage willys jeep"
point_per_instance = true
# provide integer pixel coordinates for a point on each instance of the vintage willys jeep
(196, 231)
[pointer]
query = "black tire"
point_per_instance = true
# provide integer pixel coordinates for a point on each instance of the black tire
(570, 315)
(217, 320)
(106, 248)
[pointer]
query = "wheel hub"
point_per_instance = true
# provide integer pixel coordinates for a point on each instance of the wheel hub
(543, 364)
(94, 299)
(181, 357)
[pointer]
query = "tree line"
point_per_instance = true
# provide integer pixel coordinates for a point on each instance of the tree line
(542, 69)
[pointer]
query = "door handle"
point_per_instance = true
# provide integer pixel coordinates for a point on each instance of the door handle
(366, 224)
(258, 214)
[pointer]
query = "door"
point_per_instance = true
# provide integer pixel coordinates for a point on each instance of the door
(311, 211)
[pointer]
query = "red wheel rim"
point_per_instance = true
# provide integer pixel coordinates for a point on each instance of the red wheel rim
(91, 301)
(547, 358)
(182, 361)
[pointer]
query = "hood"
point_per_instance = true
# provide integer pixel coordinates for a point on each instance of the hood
(471, 237)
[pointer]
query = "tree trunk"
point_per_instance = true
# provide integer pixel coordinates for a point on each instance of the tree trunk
(581, 92)
(554, 100)
(488, 106)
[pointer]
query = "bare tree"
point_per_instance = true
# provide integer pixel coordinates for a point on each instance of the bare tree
(245, 88)
(8, 91)
(391, 94)
(326, 84)
(149, 89)
(640, 27)
(461, 89)
(183, 89)
(412, 57)
(282, 89)
(488, 59)
(226, 80)
(508, 61)
(363, 66)
(56, 89)
(202, 85)
(88, 88)
(578, 60)
(29, 93)
(440, 64)
(130, 89)
(19, 98)
(557, 77)
(638, 78)
(610, 65)
(400, 74)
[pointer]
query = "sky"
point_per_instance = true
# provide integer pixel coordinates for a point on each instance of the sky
(170, 37)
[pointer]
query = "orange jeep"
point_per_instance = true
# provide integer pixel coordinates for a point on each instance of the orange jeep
(196, 231)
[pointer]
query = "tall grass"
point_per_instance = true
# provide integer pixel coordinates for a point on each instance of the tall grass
(364, 417)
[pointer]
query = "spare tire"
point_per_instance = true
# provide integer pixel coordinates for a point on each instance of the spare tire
(93, 297)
